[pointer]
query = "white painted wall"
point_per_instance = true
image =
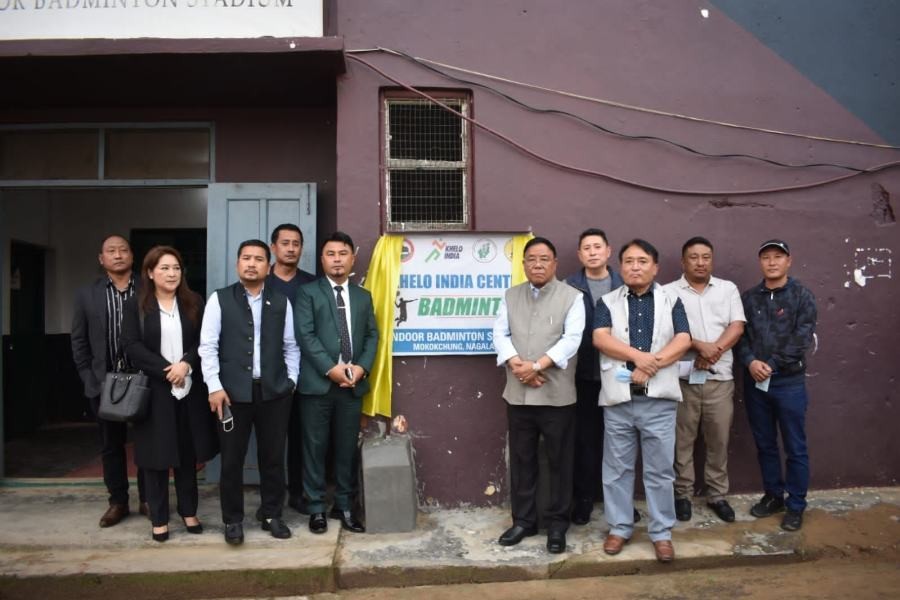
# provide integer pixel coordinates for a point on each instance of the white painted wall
(71, 223)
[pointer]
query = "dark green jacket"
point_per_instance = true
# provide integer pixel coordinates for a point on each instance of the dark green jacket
(315, 321)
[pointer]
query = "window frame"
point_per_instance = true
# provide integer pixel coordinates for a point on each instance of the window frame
(388, 164)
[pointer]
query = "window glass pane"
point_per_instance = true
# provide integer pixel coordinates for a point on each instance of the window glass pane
(48, 154)
(421, 130)
(157, 154)
(427, 196)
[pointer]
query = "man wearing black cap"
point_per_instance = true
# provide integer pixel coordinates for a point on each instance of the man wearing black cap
(781, 322)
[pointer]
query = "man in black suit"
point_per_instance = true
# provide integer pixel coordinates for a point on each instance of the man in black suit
(96, 325)
(287, 277)
(338, 337)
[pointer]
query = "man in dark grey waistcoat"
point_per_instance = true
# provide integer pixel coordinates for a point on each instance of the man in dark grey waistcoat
(536, 335)
(250, 363)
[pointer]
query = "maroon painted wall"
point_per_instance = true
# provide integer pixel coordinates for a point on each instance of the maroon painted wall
(656, 55)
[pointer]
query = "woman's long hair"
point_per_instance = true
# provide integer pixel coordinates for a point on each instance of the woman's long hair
(188, 300)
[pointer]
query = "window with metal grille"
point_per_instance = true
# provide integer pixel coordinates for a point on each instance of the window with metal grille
(427, 163)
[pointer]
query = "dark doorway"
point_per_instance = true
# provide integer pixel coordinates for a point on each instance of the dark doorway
(190, 243)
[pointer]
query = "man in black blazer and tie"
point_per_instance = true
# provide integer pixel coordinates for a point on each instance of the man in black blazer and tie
(96, 325)
(337, 335)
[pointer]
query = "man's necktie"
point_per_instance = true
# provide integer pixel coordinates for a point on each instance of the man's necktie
(346, 354)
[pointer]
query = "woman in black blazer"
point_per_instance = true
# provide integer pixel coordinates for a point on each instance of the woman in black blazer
(160, 335)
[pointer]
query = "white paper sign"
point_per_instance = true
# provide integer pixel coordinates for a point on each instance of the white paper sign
(182, 19)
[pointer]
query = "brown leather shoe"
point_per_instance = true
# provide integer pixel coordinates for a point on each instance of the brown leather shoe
(665, 551)
(114, 514)
(613, 544)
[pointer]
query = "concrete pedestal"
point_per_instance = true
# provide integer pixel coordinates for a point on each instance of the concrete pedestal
(389, 484)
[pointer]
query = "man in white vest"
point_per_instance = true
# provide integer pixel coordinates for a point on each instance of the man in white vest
(641, 331)
(536, 335)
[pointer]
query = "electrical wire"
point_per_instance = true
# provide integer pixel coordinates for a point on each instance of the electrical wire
(627, 106)
(623, 181)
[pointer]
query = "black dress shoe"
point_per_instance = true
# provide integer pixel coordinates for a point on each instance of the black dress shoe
(159, 537)
(298, 504)
(637, 516)
(318, 523)
(234, 533)
(581, 514)
(722, 509)
(767, 506)
(348, 521)
(195, 529)
(277, 528)
(556, 542)
(516, 534)
(683, 509)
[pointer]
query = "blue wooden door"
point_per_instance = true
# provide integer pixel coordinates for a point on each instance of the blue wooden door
(243, 211)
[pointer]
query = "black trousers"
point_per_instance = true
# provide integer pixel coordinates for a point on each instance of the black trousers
(588, 442)
(113, 437)
(295, 450)
(526, 425)
(157, 480)
(270, 419)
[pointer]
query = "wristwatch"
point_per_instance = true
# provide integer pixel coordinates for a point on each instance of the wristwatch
(536, 366)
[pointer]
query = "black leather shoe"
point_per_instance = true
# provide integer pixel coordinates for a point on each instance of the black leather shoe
(348, 521)
(318, 523)
(767, 506)
(792, 521)
(516, 534)
(277, 528)
(234, 533)
(298, 504)
(581, 514)
(683, 509)
(722, 509)
(556, 542)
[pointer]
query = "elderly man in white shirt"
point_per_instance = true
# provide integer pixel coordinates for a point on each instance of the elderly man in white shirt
(536, 335)
(716, 317)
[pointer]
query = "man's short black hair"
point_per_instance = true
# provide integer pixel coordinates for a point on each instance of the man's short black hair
(643, 245)
(258, 244)
(112, 235)
(694, 241)
(338, 236)
(590, 232)
(286, 227)
(539, 240)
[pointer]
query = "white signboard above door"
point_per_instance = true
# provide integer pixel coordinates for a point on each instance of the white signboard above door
(182, 19)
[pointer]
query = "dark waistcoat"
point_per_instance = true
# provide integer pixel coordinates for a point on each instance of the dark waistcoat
(236, 345)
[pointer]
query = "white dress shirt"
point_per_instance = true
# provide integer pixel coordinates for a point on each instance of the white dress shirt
(171, 345)
(345, 294)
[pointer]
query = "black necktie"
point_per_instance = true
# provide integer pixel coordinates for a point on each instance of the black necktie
(342, 326)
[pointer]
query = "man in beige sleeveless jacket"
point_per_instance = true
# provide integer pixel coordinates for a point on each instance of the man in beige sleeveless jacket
(536, 335)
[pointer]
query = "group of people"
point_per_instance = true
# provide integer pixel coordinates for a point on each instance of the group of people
(607, 363)
(599, 365)
(281, 351)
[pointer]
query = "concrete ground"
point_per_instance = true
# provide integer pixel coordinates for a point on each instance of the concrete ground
(51, 547)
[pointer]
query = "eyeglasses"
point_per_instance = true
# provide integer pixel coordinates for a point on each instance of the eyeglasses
(538, 260)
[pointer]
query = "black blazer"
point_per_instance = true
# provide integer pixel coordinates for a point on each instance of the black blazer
(89, 334)
(156, 441)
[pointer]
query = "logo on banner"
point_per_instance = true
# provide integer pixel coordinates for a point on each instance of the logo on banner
(484, 251)
(435, 253)
(508, 249)
(407, 250)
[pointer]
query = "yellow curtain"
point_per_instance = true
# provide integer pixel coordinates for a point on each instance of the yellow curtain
(518, 254)
(382, 281)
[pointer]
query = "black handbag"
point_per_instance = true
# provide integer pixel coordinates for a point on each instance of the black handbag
(125, 397)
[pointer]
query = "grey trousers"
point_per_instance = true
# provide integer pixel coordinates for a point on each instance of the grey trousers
(650, 422)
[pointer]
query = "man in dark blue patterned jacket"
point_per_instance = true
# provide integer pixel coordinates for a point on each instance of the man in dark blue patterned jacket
(781, 323)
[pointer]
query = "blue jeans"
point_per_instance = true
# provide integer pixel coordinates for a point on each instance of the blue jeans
(782, 408)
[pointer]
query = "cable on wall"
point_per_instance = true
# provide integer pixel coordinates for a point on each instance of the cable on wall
(620, 180)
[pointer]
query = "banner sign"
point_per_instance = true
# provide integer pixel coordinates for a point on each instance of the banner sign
(181, 19)
(450, 290)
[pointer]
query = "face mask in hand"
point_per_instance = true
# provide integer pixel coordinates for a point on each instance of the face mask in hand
(623, 375)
